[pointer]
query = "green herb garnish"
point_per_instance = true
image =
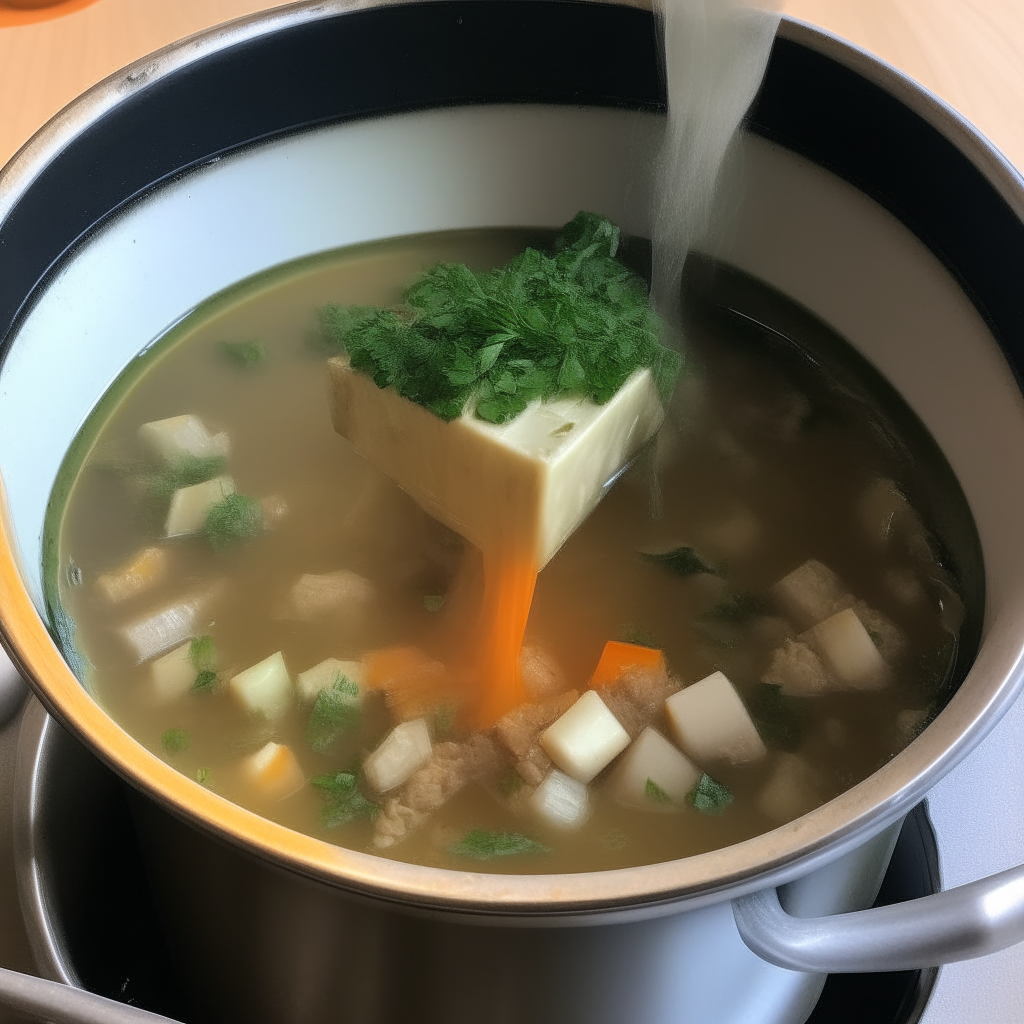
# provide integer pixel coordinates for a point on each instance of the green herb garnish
(205, 681)
(433, 602)
(335, 711)
(204, 776)
(682, 561)
(244, 354)
(236, 518)
(575, 321)
(202, 652)
(779, 718)
(183, 472)
(482, 844)
(654, 792)
(709, 796)
(343, 800)
(175, 741)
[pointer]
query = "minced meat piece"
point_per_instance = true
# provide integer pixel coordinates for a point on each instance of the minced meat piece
(519, 732)
(637, 697)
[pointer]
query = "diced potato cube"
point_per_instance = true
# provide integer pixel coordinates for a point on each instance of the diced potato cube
(404, 749)
(585, 739)
(145, 570)
(810, 593)
(710, 722)
(848, 652)
(265, 688)
(323, 676)
(274, 771)
(791, 790)
(179, 437)
(331, 593)
(191, 505)
(617, 657)
(561, 801)
(652, 759)
(162, 630)
(173, 674)
(798, 670)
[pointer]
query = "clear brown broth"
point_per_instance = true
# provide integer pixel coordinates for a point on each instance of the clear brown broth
(802, 491)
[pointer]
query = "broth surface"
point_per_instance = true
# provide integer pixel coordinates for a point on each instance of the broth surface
(762, 464)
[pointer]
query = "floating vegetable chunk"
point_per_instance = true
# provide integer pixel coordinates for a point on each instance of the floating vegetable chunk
(325, 674)
(403, 750)
(147, 569)
(586, 739)
(181, 437)
(561, 801)
(844, 646)
(274, 771)
(190, 506)
(653, 775)
(617, 657)
(265, 689)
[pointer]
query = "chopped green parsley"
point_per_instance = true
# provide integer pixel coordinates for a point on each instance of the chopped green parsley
(204, 776)
(236, 518)
(335, 711)
(343, 801)
(682, 561)
(483, 844)
(183, 472)
(244, 354)
(709, 796)
(175, 741)
(654, 792)
(433, 602)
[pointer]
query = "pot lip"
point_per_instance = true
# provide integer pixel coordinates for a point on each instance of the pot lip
(768, 859)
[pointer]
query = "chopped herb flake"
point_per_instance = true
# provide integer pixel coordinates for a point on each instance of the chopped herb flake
(654, 792)
(433, 602)
(343, 800)
(244, 354)
(335, 711)
(236, 518)
(482, 844)
(681, 561)
(202, 652)
(183, 472)
(206, 680)
(709, 796)
(575, 321)
(204, 776)
(175, 741)
(779, 718)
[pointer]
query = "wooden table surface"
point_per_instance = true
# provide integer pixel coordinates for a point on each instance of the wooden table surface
(970, 52)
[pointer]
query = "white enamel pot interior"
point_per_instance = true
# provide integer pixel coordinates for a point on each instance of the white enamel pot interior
(132, 230)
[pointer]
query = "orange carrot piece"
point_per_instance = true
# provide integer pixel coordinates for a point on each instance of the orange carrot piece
(381, 668)
(617, 657)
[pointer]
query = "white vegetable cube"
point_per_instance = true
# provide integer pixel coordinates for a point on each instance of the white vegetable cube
(848, 652)
(181, 437)
(274, 771)
(191, 505)
(173, 674)
(164, 629)
(265, 689)
(710, 722)
(325, 675)
(145, 570)
(341, 593)
(791, 790)
(404, 749)
(810, 593)
(585, 739)
(653, 775)
(561, 801)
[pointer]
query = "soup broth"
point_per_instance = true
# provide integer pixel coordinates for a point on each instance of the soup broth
(782, 452)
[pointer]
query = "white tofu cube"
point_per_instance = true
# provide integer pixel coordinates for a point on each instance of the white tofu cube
(162, 630)
(652, 759)
(325, 675)
(404, 749)
(265, 688)
(542, 473)
(561, 801)
(848, 652)
(172, 675)
(710, 722)
(191, 505)
(585, 739)
(332, 593)
(810, 593)
(273, 771)
(180, 437)
(798, 670)
(791, 790)
(147, 569)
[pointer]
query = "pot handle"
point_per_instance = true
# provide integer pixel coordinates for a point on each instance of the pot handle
(55, 1003)
(959, 924)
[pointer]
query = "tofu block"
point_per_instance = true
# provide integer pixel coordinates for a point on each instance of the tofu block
(265, 688)
(617, 658)
(172, 675)
(147, 569)
(561, 801)
(652, 759)
(798, 670)
(542, 473)
(181, 437)
(160, 631)
(313, 596)
(791, 790)
(810, 593)
(848, 652)
(274, 771)
(191, 505)
(710, 722)
(404, 749)
(323, 676)
(586, 739)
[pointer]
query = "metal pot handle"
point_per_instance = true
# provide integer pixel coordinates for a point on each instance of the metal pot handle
(959, 924)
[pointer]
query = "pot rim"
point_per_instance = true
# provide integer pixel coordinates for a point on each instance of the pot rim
(768, 859)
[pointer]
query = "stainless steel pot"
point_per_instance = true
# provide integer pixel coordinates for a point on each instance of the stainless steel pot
(320, 125)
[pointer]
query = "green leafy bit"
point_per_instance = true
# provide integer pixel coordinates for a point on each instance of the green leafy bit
(779, 718)
(202, 652)
(204, 776)
(206, 680)
(335, 711)
(633, 633)
(343, 801)
(183, 472)
(244, 354)
(682, 561)
(433, 602)
(654, 792)
(483, 844)
(234, 519)
(736, 608)
(575, 321)
(175, 741)
(709, 796)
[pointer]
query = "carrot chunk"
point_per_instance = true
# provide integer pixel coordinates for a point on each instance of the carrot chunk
(617, 657)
